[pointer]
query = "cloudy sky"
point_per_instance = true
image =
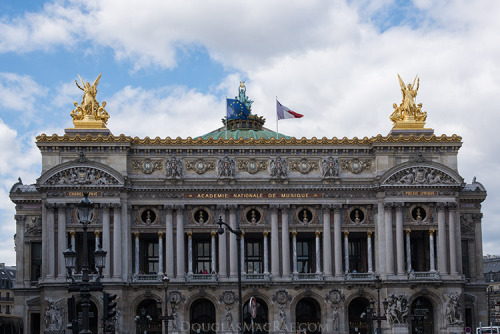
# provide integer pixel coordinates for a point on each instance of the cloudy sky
(167, 67)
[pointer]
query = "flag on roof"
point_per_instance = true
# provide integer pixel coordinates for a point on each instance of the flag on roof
(236, 110)
(285, 112)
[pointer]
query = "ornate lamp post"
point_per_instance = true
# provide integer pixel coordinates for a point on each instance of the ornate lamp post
(238, 234)
(378, 315)
(166, 317)
(85, 211)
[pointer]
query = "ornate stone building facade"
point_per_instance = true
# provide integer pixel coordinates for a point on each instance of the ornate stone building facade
(322, 219)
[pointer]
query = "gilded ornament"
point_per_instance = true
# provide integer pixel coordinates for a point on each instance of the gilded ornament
(408, 115)
(356, 165)
(89, 114)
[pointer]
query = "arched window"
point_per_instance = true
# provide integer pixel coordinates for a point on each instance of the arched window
(146, 317)
(261, 321)
(202, 315)
(422, 316)
(308, 316)
(358, 320)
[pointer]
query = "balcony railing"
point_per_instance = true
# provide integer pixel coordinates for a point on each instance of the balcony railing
(256, 277)
(423, 275)
(78, 277)
(359, 276)
(147, 278)
(201, 277)
(307, 276)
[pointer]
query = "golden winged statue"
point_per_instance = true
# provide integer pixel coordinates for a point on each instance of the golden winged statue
(408, 115)
(89, 114)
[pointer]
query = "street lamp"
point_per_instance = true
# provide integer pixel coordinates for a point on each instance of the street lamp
(378, 316)
(166, 317)
(238, 234)
(85, 210)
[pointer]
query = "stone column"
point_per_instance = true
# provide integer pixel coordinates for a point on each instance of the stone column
(213, 252)
(222, 248)
(285, 241)
(369, 251)
(431, 251)
(160, 253)
(190, 253)
(22, 269)
(266, 252)
(233, 258)
(136, 253)
(275, 252)
(399, 239)
(97, 239)
(346, 251)
(126, 242)
(452, 237)
(169, 241)
(51, 251)
(242, 252)
(389, 249)
(318, 252)
(73, 240)
(106, 240)
(337, 235)
(408, 251)
(45, 241)
(294, 252)
(380, 237)
(180, 242)
(442, 259)
(327, 242)
(117, 242)
(62, 243)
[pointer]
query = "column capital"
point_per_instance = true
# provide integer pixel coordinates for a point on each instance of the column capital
(336, 207)
(294, 234)
(115, 205)
(168, 208)
(408, 232)
(346, 233)
(221, 208)
(242, 234)
(160, 235)
(274, 207)
(452, 206)
(317, 234)
(440, 206)
(369, 234)
(265, 233)
(72, 233)
(388, 205)
(189, 234)
(284, 206)
(136, 235)
(50, 206)
(105, 207)
(399, 206)
(20, 218)
(213, 234)
(97, 233)
(60, 205)
(179, 208)
(431, 232)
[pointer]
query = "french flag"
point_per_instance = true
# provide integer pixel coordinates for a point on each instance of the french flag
(285, 112)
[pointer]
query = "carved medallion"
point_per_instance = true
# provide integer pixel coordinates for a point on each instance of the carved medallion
(200, 166)
(227, 297)
(304, 166)
(356, 165)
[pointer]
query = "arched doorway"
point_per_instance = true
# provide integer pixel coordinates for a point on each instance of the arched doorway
(146, 317)
(358, 323)
(202, 316)
(261, 321)
(422, 316)
(308, 316)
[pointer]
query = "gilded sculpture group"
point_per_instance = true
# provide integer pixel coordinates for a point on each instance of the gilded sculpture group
(89, 108)
(408, 110)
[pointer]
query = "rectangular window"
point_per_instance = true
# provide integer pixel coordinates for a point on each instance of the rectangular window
(254, 256)
(358, 253)
(305, 258)
(202, 256)
(36, 260)
(420, 253)
(7, 309)
(152, 253)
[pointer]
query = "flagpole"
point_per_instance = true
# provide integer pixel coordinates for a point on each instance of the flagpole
(277, 133)
(226, 119)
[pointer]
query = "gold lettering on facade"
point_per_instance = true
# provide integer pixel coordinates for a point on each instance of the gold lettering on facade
(420, 193)
(254, 195)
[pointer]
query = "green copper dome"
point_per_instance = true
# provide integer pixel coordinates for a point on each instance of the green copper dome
(244, 128)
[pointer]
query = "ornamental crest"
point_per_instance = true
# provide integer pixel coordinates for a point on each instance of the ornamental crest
(227, 297)
(335, 296)
(33, 226)
(226, 168)
(252, 166)
(175, 297)
(303, 166)
(200, 166)
(331, 167)
(278, 168)
(82, 176)
(356, 165)
(281, 297)
(147, 166)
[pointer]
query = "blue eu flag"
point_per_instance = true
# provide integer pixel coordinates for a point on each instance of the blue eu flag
(236, 110)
